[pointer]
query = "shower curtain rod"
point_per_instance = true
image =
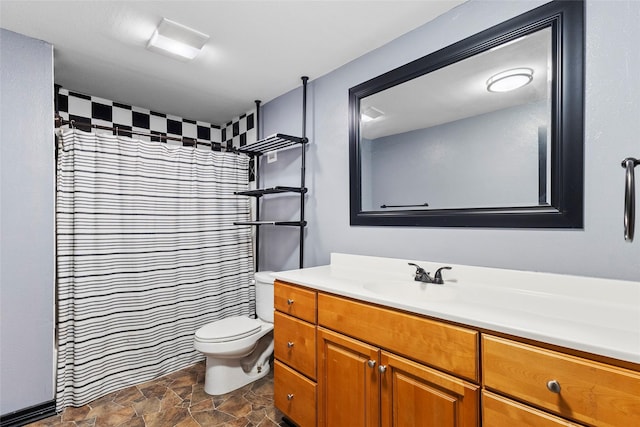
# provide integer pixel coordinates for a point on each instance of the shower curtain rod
(59, 122)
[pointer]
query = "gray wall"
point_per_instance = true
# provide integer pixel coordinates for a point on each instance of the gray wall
(26, 222)
(612, 132)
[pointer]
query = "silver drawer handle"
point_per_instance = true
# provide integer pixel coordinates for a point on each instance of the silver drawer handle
(290, 301)
(289, 396)
(290, 344)
(371, 363)
(629, 197)
(382, 369)
(553, 386)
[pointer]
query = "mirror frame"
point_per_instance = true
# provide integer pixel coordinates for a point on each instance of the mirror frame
(566, 19)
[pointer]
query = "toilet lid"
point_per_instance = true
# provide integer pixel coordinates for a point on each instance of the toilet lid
(229, 329)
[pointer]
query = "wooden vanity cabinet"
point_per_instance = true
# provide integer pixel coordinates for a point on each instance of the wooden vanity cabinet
(343, 362)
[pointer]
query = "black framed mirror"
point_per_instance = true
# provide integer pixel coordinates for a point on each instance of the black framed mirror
(448, 141)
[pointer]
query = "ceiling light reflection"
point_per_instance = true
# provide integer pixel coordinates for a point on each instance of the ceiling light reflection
(510, 80)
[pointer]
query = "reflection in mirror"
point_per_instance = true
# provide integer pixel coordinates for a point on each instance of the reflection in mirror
(450, 140)
(461, 145)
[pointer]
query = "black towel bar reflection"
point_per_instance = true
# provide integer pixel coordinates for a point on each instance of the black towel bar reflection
(629, 197)
(404, 206)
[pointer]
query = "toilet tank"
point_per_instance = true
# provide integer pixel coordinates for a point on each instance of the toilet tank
(264, 295)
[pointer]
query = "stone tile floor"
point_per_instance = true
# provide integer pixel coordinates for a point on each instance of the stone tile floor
(176, 400)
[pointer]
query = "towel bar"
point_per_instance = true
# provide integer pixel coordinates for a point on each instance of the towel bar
(629, 197)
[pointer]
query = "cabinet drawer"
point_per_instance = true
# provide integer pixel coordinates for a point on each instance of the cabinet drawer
(295, 301)
(294, 395)
(498, 411)
(447, 347)
(294, 343)
(589, 392)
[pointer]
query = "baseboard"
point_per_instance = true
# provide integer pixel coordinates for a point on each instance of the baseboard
(29, 415)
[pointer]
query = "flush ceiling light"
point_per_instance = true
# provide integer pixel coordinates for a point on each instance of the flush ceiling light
(371, 113)
(510, 80)
(177, 40)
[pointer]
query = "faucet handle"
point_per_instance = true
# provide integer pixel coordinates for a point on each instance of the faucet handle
(437, 278)
(421, 275)
(418, 268)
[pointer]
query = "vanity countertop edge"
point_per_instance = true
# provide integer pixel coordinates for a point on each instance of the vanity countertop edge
(597, 316)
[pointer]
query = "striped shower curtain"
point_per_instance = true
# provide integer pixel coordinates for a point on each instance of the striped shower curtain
(146, 253)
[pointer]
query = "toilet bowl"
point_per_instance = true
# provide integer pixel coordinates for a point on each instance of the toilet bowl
(238, 349)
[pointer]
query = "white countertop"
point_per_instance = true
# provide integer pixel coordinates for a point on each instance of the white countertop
(599, 316)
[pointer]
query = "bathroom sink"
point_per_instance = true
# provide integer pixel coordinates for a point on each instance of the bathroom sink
(410, 291)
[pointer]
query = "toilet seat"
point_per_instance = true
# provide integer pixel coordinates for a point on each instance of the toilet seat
(229, 329)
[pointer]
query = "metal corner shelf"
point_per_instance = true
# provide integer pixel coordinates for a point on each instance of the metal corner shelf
(273, 190)
(275, 142)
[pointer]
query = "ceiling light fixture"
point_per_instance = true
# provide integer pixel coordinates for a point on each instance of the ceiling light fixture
(510, 80)
(177, 40)
(371, 113)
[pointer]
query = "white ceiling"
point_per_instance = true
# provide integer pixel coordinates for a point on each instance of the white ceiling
(460, 90)
(257, 50)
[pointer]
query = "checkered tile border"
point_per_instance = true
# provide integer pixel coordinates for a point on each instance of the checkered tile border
(103, 112)
(240, 131)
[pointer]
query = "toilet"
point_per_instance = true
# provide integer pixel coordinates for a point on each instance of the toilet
(238, 349)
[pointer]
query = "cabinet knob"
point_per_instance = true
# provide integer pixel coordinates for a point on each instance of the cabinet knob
(553, 386)
(382, 369)
(371, 363)
(289, 396)
(290, 344)
(290, 301)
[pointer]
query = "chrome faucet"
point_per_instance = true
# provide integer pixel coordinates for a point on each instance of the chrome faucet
(423, 276)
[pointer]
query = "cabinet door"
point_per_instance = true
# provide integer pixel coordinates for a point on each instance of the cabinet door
(348, 391)
(415, 395)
